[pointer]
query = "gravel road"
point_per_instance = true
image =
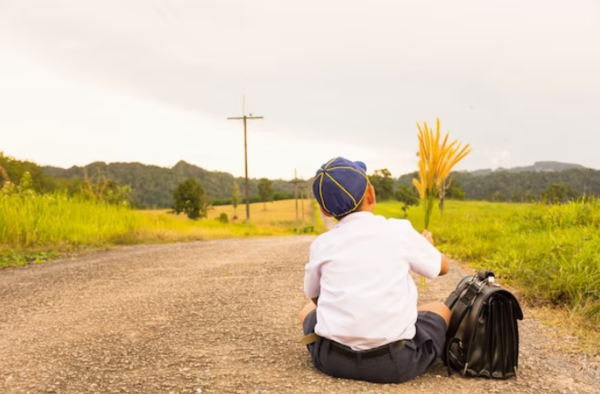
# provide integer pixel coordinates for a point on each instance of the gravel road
(209, 317)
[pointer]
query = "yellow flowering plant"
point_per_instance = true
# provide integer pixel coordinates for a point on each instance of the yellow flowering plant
(437, 157)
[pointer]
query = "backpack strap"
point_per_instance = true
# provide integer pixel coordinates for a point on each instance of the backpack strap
(453, 297)
(463, 305)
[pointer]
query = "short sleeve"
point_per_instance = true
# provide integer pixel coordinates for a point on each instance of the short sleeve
(423, 257)
(312, 274)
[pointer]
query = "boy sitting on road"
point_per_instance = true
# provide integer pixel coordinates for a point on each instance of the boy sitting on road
(367, 325)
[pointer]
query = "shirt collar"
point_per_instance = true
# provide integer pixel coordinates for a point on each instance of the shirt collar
(356, 216)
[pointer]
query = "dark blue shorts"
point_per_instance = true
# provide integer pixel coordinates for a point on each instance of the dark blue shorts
(399, 365)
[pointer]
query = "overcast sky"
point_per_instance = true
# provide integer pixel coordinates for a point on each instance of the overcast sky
(154, 81)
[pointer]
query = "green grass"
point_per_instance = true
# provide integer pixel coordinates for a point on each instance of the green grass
(548, 252)
(35, 228)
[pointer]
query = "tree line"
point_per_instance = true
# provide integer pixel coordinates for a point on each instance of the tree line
(524, 186)
(151, 186)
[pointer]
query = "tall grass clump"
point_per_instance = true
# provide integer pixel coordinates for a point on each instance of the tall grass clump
(29, 221)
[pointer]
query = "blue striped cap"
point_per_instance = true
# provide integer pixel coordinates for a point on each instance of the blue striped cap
(340, 186)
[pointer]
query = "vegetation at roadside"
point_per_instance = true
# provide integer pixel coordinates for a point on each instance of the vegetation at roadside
(548, 252)
(36, 227)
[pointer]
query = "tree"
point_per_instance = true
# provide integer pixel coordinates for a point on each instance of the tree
(26, 184)
(558, 193)
(454, 191)
(190, 199)
(235, 198)
(408, 196)
(103, 189)
(497, 196)
(115, 194)
(383, 184)
(5, 178)
(265, 190)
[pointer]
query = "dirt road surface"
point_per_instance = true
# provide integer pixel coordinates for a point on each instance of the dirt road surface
(209, 317)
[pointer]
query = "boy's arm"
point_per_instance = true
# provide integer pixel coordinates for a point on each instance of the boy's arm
(424, 258)
(445, 262)
(445, 265)
(312, 276)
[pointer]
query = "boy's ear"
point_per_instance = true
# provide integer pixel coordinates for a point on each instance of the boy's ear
(325, 213)
(370, 195)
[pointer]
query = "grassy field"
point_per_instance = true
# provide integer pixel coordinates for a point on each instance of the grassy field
(38, 227)
(548, 252)
(277, 213)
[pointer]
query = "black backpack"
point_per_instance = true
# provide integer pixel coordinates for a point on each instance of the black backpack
(483, 336)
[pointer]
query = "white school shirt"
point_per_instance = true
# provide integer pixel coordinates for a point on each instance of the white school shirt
(360, 272)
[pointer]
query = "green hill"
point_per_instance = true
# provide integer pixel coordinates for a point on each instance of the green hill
(502, 185)
(153, 186)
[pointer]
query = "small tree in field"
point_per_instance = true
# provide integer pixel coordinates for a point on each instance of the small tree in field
(383, 183)
(455, 191)
(266, 191)
(408, 196)
(190, 199)
(235, 198)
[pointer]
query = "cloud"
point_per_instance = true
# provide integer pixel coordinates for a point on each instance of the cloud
(159, 78)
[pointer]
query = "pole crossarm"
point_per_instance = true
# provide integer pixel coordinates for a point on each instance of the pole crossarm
(246, 117)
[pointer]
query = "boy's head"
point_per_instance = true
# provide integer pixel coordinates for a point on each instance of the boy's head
(342, 187)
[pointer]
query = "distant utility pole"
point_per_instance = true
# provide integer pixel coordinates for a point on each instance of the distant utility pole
(296, 198)
(244, 118)
(302, 199)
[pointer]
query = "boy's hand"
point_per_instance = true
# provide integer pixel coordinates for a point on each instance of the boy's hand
(428, 236)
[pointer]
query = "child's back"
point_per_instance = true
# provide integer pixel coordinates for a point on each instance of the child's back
(358, 274)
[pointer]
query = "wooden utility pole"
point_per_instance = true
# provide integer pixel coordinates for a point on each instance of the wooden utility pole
(244, 118)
